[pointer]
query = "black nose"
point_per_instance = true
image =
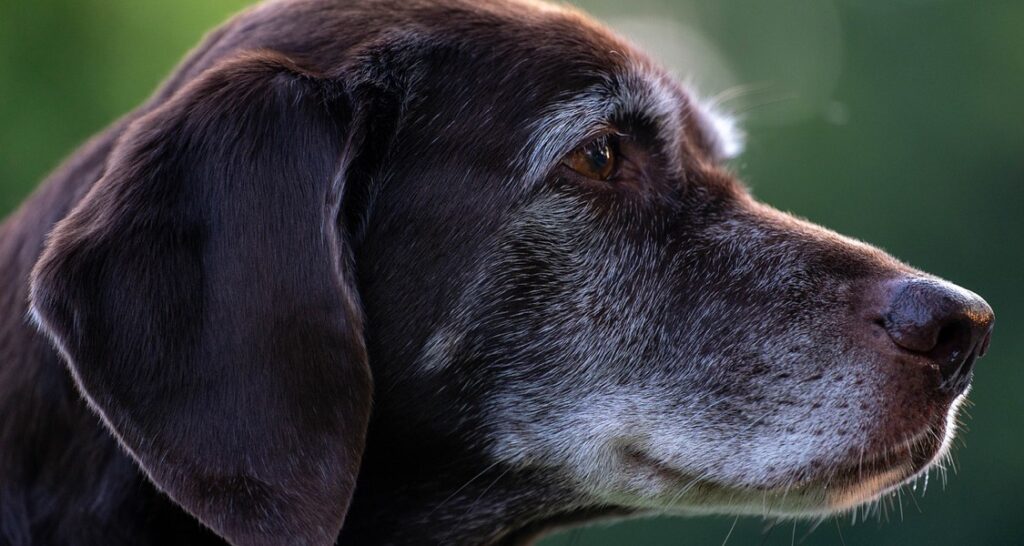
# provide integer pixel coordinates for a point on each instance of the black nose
(949, 325)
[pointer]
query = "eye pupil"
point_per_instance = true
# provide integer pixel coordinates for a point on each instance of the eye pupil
(599, 155)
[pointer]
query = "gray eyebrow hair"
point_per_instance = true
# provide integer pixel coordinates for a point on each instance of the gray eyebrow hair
(632, 92)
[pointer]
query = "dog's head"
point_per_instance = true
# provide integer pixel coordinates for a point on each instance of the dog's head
(525, 229)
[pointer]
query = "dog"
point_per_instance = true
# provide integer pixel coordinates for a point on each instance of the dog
(444, 272)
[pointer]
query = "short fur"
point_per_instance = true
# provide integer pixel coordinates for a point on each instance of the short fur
(330, 203)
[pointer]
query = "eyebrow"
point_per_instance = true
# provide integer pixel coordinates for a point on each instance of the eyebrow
(633, 91)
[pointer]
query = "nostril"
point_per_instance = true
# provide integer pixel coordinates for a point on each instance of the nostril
(951, 346)
(983, 349)
(948, 325)
(952, 338)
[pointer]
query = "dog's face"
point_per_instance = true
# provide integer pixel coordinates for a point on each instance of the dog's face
(572, 260)
(555, 267)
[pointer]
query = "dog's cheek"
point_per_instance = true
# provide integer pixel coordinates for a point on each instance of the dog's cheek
(565, 314)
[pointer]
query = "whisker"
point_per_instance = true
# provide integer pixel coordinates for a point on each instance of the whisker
(840, 531)
(730, 530)
(463, 486)
(739, 91)
(753, 106)
(813, 528)
(899, 499)
(767, 532)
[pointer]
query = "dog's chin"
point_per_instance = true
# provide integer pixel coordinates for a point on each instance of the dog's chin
(841, 486)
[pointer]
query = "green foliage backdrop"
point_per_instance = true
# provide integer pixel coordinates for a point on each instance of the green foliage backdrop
(900, 122)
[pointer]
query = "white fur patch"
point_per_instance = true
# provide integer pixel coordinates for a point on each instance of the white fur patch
(722, 130)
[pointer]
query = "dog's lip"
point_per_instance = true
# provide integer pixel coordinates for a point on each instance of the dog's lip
(900, 461)
(639, 457)
(910, 457)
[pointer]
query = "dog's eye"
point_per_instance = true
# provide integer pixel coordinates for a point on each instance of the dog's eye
(597, 159)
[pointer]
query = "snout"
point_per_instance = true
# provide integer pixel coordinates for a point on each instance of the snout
(941, 322)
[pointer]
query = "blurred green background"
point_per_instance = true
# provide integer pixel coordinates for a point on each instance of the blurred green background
(900, 122)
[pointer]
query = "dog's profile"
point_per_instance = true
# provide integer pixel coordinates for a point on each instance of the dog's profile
(443, 272)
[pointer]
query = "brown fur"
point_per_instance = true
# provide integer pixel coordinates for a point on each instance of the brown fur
(330, 203)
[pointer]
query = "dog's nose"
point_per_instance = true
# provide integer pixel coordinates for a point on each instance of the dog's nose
(947, 324)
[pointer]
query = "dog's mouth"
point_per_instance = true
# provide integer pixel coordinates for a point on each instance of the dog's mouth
(855, 482)
(817, 490)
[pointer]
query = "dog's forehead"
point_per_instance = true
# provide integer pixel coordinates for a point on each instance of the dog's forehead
(590, 77)
(546, 77)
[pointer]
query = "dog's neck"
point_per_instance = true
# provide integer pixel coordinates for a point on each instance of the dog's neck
(410, 493)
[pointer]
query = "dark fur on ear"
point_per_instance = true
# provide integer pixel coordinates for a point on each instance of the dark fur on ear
(202, 296)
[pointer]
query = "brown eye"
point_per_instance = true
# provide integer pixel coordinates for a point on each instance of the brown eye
(597, 159)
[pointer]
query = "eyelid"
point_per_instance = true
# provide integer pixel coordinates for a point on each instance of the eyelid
(595, 132)
(601, 132)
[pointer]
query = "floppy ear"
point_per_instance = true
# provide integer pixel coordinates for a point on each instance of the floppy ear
(202, 296)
